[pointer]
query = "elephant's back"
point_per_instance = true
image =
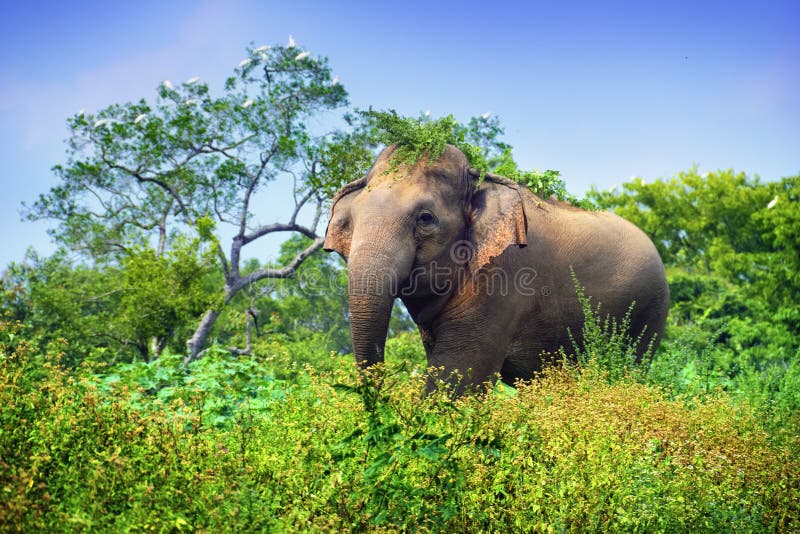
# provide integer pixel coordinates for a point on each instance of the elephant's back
(595, 237)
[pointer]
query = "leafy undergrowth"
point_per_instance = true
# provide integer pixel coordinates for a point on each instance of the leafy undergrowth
(571, 451)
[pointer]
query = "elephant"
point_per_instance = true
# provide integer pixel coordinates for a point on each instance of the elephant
(483, 266)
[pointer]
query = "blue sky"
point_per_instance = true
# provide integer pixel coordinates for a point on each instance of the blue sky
(601, 91)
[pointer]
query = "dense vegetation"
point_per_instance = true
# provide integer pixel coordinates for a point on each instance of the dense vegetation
(107, 425)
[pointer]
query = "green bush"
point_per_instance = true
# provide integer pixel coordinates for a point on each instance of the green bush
(331, 452)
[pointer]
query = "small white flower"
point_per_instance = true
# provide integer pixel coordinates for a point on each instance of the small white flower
(100, 123)
(302, 55)
(486, 116)
(428, 113)
(139, 118)
(194, 80)
(772, 203)
(247, 103)
(262, 48)
(291, 43)
(192, 101)
(335, 80)
(244, 62)
(167, 84)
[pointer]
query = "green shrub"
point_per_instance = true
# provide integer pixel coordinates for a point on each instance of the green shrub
(605, 343)
(568, 452)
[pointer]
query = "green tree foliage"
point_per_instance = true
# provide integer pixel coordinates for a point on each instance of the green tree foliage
(195, 162)
(133, 309)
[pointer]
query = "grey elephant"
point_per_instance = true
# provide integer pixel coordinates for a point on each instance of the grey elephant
(483, 267)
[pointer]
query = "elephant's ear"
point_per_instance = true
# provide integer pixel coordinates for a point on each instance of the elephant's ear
(497, 220)
(340, 228)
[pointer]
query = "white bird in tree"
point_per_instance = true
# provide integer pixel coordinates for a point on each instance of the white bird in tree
(772, 203)
(191, 102)
(291, 43)
(247, 103)
(192, 81)
(244, 62)
(100, 123)
(82, 113)
(167, 84)
(262, 48)
(335, 80)
(486, 116)
(302, 55)
(139, 118)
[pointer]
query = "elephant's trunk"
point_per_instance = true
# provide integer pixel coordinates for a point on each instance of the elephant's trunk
(373, 278)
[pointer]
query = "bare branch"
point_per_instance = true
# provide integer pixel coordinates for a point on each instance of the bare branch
(265, 159)
(317, 214)
(278, 227)
(283, 272)
(223, 261)
(299, 205)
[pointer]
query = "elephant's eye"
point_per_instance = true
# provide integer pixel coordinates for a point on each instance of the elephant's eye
(426, 218)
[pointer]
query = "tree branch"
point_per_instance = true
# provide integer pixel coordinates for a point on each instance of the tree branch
(299, 205)
(278, 227)
(283, 272)
(265, 159)
(141, 178)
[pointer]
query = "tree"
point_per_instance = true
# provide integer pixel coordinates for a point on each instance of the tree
(112, 312)
(192, 162)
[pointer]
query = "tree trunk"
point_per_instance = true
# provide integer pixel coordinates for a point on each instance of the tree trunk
(234, 284)
(195, 344)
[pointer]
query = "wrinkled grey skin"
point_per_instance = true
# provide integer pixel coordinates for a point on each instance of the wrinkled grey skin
(484, 270)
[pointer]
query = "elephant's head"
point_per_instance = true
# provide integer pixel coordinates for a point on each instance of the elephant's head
(412, 230)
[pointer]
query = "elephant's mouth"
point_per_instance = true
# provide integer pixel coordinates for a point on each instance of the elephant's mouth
(426, 280)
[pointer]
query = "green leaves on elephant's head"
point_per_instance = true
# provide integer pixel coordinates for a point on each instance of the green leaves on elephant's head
(479, 140)
(416, 138)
